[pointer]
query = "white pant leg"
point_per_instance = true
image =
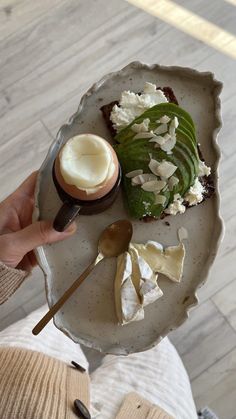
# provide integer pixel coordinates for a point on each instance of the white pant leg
(50, 341)
(158, 375)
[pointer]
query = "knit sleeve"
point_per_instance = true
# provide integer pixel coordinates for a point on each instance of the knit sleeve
(10, 280)
(136, 407)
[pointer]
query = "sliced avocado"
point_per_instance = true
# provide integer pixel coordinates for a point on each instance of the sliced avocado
(154, 114)
(135, 154)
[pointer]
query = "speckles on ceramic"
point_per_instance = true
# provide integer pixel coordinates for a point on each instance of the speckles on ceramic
(89, 316)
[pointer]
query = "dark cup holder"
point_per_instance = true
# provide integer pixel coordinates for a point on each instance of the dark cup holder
(72, 207)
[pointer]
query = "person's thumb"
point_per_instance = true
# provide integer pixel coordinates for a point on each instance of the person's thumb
(38, 233)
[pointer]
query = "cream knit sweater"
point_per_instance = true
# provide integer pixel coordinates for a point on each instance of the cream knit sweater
(36, 386)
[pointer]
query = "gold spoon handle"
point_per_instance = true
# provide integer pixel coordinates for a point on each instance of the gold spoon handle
(54, 309)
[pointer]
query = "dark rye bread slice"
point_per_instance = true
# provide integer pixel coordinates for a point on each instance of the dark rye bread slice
(207, 181)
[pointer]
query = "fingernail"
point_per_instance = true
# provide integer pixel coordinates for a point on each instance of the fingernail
(71, 229)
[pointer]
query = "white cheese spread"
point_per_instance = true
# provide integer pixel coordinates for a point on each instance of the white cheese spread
(195, 194)
(132, 105)
(176, 206)
(204, 170)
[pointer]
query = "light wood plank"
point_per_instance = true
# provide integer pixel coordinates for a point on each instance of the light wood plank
(15, 15)
(26, 152)
(26, 51)
(203, 339)
(229, 242)
(233, 2)
(178, 46)
(212, 11)
(228, 169)
(228, 115)
(187, 51)
(58, 80)
(225, 300)
(228, 191)
(189, 22)
(3, 105)
(222, 273)
(216, 387)
(219, 65)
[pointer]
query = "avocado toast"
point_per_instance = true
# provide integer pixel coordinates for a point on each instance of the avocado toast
(163, 169)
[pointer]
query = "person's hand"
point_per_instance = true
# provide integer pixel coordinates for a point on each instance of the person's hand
(18, 236)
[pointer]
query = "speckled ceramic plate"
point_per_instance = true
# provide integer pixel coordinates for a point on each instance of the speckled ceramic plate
(89, 316)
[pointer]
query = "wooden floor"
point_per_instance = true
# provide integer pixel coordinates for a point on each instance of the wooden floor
(50, 52)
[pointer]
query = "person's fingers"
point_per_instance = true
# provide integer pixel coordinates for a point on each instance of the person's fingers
(38, 233)
(28, 185)
(25, 189)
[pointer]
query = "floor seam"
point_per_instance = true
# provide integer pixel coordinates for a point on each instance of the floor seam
(211, 365)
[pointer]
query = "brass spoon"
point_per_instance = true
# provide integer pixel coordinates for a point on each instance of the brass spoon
(113, 241)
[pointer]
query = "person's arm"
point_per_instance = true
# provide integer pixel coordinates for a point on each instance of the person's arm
(10, 280)
(19, 236)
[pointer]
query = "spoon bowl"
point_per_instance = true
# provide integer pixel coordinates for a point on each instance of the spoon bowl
(115, 239)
